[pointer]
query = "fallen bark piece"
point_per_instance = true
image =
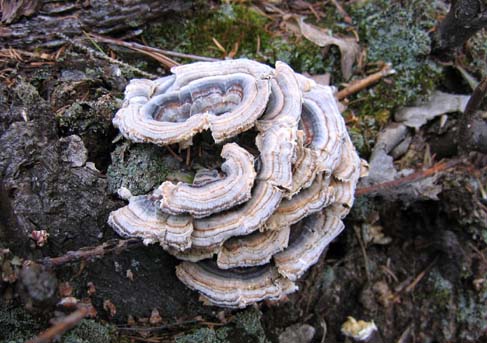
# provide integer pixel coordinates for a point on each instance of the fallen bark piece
(439, 103)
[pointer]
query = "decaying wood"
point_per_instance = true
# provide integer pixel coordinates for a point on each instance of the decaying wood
(473, 125)
(464, 19)
(34, 23)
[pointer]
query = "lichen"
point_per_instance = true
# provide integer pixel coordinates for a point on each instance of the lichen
(471, 314)
(16, 325)
(476, 56)
(205, 335)
(249, 321)
(398, 34)
(393, 33)
(26, 93)
(246, 327)
(89, 331)
(84, 116)
(139, 167)
(440, 290)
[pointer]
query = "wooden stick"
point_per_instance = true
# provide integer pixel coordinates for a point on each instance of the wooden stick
(135, 46)
(159, 328)
(342, 12)
(410, 178)
(90, 252)
(357, 86)
(61, 326)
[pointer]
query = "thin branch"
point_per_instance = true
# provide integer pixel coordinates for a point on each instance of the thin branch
(441, 166)
(477, 97)
(342, 12)
(62, 326)
(104, 56)
(137, 46)
(116, 245)
(357, 86)
(159, 328)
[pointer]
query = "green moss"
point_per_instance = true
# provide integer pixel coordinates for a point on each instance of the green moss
(229, 24)
(16, 325)
(232, 24)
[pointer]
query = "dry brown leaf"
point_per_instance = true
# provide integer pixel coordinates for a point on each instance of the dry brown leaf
(12, 10)
(349, 48)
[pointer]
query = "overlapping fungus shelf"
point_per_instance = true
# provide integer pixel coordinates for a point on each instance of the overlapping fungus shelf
(248, 230)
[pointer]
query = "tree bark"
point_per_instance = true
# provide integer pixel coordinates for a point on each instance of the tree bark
(464, 19)
(29, 24)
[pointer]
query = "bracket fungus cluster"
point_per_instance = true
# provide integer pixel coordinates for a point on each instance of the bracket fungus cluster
(248, 231)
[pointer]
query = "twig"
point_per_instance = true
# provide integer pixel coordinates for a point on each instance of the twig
(366, 82)
(116, 245)
(164, 60)
(479, 253)
(342, 12)
(62, 326)
(173, 154)
(477, 97)
(364, 253)
(135, 46)
(142, 339)
(105, 57)
(420, 276)
(188, 156)
(159, 328)
(441, 166)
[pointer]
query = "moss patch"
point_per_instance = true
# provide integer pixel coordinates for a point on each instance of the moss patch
(245, 328)
(241, 30)
(398, 33)
(17, 325)
(89, 331)
(205, 335)
(139, 167)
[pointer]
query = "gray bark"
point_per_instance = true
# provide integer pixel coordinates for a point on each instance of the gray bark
(35, 23)
(464, 19)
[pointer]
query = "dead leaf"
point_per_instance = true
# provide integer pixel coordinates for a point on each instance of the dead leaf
(91, 288)
(65, 289)
(349, 48)
(12, 10)
(110, 308)
(155, 317)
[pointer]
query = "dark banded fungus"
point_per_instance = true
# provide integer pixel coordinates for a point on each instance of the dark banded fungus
(245, 233)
